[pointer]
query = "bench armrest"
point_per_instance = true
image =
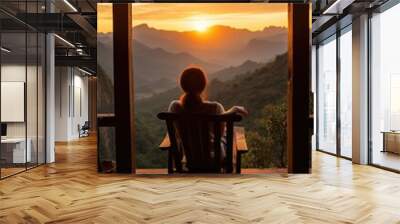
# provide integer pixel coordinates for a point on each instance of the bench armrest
(240, 140)
(165, 144)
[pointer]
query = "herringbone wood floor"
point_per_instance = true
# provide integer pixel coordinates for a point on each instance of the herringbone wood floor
(71, 191)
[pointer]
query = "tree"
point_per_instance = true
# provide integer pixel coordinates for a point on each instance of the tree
(267, 141)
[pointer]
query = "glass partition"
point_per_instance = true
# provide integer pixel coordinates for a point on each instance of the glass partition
(22, 88)
(15, 150)
(327, 127)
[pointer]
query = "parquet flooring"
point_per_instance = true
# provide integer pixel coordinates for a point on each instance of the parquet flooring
(10, 171)
(71, 191)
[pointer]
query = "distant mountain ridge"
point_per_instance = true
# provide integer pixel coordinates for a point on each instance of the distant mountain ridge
(219, 44)
(232, 71)
(155, 69)
(258, 49)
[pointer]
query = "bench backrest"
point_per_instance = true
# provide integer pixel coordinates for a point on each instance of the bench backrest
(199, 137)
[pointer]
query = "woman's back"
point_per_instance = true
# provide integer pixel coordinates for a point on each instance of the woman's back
(200, 140)
(205, 107)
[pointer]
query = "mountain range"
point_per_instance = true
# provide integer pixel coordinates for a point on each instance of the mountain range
(232, 71)
(223, 52)
(157, 69)
(222, 45)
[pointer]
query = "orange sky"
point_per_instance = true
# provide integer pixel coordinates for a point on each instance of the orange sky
(188, 17)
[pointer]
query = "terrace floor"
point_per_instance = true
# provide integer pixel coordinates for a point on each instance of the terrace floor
(71, 191)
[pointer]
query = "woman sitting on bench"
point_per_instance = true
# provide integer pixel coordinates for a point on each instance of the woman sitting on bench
(193, 82)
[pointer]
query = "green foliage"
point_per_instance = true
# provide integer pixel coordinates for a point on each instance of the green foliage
(267, 139)
(149, 134)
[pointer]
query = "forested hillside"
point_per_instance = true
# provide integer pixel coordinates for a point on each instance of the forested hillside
(262, 92)
(232, 71)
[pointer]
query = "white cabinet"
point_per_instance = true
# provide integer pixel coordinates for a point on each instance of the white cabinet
(17, 145)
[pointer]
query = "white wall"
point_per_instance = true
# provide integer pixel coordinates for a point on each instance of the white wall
(71, 103)
(81, 104)
(62, 81)
(33, 126)
(15, 73)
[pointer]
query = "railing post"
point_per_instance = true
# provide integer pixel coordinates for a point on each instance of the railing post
(124, 88)
(299, 62)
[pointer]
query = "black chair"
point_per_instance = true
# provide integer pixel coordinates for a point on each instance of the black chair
(198, 137)
(84, 130)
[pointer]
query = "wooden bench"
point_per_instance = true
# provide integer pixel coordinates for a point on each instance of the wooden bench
(199, 138)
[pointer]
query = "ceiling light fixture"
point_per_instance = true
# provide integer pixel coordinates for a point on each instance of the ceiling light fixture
(85, 72)
(65, 41)
(5, 50)
(337, 7)
(70, 5)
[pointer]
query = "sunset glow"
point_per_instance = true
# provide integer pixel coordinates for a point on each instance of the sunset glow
(201, 25)
(199, 17)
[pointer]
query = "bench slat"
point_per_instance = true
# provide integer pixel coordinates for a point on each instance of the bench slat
(240, 138)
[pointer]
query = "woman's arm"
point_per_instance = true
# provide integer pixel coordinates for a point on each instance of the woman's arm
(235, 109)
(239, 110)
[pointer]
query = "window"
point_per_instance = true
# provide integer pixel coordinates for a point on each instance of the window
(313, 89)
(327, 96)
(385, 89)
(334, 94)
(346, 93)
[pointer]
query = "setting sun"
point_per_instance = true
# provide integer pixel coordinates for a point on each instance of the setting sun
(201, 25)
(199, 17)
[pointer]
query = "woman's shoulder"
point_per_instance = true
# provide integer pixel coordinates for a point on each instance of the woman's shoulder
(212, 102)
(175, 106)
(217, 106)
(174, 102)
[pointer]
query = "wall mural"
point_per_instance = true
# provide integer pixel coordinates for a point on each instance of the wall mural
(242, 48)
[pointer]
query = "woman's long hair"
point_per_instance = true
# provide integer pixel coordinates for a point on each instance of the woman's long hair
(193, 82)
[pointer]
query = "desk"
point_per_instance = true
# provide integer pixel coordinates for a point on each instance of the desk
(13, 150)
(391, 141)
